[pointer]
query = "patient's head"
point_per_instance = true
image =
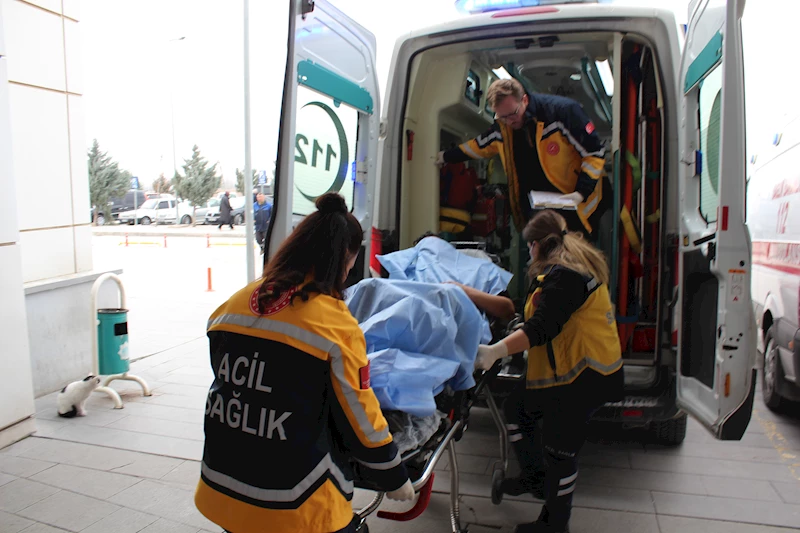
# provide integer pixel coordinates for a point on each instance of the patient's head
(424, 235)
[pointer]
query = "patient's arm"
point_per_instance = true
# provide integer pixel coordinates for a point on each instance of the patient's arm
(497, 306)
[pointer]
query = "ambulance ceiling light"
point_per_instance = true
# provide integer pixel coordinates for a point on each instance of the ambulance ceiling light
(502, 73)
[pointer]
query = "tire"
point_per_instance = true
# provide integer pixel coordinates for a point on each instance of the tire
(145, 221)
(770, 372)
(100, 219)
(670, 432)
(238, 220)
(186, 219)
(498, 475)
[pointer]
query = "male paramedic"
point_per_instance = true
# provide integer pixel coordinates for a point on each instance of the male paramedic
(546, 143)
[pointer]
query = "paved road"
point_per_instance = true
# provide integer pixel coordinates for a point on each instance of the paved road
(171, 230)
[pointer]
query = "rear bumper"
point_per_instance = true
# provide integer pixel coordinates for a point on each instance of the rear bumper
(656, 403)
(641, 407)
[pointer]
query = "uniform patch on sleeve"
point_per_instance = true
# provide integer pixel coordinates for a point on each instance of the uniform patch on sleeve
(284, 300)
(590, 127)
(363, 375)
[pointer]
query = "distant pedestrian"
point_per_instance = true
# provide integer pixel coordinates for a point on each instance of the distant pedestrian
(225, 211)
(262, 211)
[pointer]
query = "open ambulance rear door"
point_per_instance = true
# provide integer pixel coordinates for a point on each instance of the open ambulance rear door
(329, 120)
(716, 343)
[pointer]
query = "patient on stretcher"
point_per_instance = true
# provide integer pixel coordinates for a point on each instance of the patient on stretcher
(422, 333)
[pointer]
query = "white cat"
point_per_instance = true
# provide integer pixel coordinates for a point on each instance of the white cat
(73, 397)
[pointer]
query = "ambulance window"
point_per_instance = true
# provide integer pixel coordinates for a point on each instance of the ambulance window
(473, 88)
(324, 151)
(710, 100)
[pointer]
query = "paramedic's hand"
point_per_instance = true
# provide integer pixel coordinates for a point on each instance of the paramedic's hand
(487, 355)
(404, 493)
(440, 162)
(574, 197)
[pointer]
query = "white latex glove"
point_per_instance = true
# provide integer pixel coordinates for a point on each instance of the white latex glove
(574, 197)
(440, 162)
(487, 355)
(404, 493)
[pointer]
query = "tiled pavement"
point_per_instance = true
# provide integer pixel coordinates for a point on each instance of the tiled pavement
(134, 470)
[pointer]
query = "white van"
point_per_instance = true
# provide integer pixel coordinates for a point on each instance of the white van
(773, 216)
(685, 310)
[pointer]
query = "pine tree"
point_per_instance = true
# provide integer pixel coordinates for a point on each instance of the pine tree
(198, 182)
(240, 181)
(106, 179)
(161, 185)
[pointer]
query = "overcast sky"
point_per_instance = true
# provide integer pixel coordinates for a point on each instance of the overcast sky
(133, 63)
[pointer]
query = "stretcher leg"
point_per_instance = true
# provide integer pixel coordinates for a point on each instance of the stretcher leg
(501, 428)
(455, 511)
(500, 467)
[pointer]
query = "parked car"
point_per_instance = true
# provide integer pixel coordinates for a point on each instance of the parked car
(160, 210)
(131, 200)
(237, 211)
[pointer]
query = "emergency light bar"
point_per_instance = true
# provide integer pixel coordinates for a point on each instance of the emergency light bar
(484, 6)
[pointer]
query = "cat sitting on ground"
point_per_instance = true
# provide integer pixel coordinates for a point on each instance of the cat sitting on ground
(72, 398)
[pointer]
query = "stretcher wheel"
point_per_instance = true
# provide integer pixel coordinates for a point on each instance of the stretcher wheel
(498, 475)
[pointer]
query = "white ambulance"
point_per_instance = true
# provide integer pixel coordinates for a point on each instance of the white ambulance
(773, 216)
(668, 103)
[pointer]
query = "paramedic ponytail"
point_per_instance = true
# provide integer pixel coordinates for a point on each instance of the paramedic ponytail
(555, 245)
(317, 252)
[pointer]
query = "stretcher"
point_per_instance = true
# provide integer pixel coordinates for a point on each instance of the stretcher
(421, 462)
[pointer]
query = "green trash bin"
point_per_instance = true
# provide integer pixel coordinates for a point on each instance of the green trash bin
(112, 341)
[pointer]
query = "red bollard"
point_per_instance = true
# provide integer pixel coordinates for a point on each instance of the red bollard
(208, 241)
(126, 240)
(165, 241)
(209, 281)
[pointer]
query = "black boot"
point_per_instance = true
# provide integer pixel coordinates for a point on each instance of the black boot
(539, 527)
(517, 486)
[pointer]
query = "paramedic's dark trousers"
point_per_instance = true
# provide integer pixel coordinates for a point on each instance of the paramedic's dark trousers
(547, 428)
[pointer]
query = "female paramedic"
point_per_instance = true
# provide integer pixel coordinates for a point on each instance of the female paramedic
(291, 404)
(574, 365)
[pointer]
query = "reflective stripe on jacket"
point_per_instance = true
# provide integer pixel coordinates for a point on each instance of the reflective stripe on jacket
(289, 408)
(570, 152)
(587, 339)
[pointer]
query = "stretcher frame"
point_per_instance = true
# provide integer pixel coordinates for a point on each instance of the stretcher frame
(424, 484)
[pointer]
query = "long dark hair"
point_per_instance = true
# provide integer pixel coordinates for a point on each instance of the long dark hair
(318, 247)
(557, 246)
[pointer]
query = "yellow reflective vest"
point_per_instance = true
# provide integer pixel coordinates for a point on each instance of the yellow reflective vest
(570, 153)
(588, 338)
(289, 409)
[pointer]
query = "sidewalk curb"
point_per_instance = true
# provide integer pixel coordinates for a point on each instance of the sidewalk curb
(178, 233)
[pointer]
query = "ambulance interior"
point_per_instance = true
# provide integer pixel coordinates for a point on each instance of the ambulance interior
(446, 105)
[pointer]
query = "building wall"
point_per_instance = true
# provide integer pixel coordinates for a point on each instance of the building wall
(16, 396)
(44, 209)
(48, 145)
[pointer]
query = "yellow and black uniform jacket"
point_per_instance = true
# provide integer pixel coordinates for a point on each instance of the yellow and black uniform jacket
(571, 156)
(289, 408)
(569, 321)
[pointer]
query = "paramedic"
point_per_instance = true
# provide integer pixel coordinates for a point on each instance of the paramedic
(291, 403)
(546, 143)
(574, 365)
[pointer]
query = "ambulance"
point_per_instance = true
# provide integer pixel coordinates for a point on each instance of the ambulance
(667, 100)
(773, 216)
